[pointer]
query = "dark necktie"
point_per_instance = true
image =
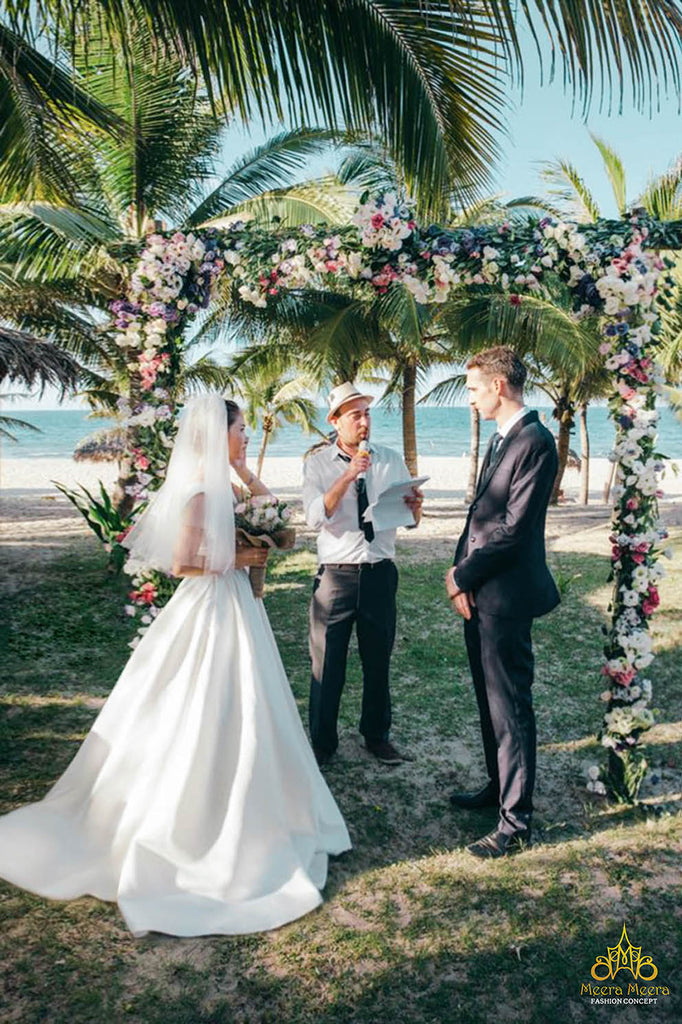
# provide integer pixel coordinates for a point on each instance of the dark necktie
(495, 443)
(491, 457)
(363, 503)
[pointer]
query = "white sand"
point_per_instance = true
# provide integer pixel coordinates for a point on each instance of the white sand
(448, 476)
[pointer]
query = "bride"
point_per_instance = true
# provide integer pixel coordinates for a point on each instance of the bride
(195, 801)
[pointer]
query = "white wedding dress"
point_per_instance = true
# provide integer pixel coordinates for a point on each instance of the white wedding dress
(195, 801)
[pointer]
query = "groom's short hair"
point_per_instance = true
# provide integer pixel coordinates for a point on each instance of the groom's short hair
(500, 361)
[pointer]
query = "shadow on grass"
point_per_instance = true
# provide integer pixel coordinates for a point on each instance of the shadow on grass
(444, 940)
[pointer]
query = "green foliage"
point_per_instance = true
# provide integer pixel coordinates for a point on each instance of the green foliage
(104, 519)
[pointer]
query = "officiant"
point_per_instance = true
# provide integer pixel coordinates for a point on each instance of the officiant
(357, 579)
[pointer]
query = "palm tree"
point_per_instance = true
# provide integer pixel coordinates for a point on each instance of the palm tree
(32, 361)
(61, 262)
(430, 78)
(40, 101)
(275, 399)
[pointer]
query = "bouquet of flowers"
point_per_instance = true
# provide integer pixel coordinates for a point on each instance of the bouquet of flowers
(263, 521)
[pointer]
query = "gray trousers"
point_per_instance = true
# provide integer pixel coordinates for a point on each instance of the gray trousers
(501, 659)
(363, 595)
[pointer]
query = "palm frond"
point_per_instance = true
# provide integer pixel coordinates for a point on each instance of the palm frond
(40, 102)
(613, 165)
(321, 201)
(447, 391)
(570, 190)
(264, 169)
(31, 360)
(662, 197)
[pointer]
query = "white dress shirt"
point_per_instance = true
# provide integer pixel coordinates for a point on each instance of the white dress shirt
(340, 538)
(506, 427)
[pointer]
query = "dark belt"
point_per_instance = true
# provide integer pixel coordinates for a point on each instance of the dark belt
(355, 566)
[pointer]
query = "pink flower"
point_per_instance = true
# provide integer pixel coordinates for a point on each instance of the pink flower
(605, 348)
(648, 608)
(377, 221)
(515, 299)
(637, 557)
(632, 504)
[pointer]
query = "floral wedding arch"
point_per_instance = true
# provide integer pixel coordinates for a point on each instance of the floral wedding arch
(614, 271)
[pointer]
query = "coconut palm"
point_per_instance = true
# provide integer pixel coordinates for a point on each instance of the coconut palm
(30, 361)
(430, 77)
(274, 398)
(40, 101)
(62, 262)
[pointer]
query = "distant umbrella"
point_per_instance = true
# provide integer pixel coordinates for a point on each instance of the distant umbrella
(102, 446)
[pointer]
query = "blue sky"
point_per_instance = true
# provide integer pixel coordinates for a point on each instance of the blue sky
(542, 125)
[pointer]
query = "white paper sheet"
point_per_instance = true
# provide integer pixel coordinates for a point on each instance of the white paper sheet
(389, 510)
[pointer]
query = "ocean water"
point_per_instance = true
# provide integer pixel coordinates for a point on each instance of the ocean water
(440, 432)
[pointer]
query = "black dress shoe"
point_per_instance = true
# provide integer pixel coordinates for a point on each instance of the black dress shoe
(487, 797)
(500, 844)
(385, 752)
(321, 756)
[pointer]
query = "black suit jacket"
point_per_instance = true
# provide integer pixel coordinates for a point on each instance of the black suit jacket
(500, 556)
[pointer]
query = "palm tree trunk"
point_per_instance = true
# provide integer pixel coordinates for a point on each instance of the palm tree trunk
(475, 445)
(409, 418)
(609, 484)
(267, 430)
(565, 413)
(584, 457)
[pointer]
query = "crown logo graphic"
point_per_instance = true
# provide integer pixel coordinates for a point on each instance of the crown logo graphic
(624, 957)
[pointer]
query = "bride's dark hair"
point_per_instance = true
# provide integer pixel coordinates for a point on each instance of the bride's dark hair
(232, 410)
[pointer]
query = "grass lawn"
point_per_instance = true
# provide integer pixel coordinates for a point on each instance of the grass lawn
(412, 929)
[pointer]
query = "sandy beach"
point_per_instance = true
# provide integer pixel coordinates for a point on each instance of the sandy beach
(36, 518)
(447, 477)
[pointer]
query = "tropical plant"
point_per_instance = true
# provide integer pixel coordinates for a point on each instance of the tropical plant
(63, 261)
(274, 399)
(40, 101)
(429, 77)
(104, 519)
(31, 360)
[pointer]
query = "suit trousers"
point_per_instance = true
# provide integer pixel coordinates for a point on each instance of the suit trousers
(363, 595)
(501, 659)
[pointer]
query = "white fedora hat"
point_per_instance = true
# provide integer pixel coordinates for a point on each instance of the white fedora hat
(345, 392)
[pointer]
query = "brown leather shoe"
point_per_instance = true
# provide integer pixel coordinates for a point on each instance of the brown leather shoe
(384, 752)
(500, 844)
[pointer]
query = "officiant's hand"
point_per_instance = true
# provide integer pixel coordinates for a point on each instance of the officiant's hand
(360, 463)
(414, 502)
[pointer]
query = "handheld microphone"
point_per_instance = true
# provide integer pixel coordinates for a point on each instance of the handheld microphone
(363, 447)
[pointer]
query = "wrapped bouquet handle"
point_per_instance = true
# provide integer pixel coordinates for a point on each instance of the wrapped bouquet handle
(261, 523)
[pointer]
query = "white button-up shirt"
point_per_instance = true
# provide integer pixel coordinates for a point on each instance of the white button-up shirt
(506, 427)
(341, 538)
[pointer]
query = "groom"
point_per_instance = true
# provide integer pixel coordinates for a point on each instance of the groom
(499, 583)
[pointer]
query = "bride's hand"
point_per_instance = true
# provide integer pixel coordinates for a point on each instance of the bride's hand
(246, 556)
